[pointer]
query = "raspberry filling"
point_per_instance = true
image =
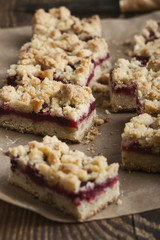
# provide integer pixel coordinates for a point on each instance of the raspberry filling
(12, 80)
(128, 90)
(83, 195)
(142, 60)
(46, 116)
(136, 147)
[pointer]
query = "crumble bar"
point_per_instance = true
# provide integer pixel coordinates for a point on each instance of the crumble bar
(146, 45)
(67, 58)
(69, 180)
(60, 20)
(72, 49)
(141, 144)
(48, 108)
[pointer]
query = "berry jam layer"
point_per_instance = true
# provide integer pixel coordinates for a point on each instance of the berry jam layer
(12, 80)
(76, 198)
(136, 147)
(42, 117)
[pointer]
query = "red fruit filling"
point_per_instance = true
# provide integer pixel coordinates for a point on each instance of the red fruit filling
(38, 117)
(88, 195)
(136, 147)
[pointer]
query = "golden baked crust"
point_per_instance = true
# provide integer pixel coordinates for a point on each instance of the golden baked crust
(143, 129)
(60, 20)
(57, 163)
(60, 99)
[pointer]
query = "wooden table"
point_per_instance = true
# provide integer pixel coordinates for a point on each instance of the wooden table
(21, 224)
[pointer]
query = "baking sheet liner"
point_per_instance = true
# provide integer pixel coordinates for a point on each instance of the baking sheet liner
(139, 191)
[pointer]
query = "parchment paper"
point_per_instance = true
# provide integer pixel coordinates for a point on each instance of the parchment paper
(139, 191)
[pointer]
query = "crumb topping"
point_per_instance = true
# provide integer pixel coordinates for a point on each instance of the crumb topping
(147, 44)
(147, 79)
(58, 99)
(60, 20)
(67, 59)
(143, 129)
(58, 164)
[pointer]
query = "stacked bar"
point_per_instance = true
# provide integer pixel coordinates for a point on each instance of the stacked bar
(72, 49)
(135, 84)
(46, 91)
(141, 144)
(71, 181)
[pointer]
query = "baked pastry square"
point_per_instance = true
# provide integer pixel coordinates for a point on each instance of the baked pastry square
(60, 20)
(123, 84)
(147, 44)
(71, 181)
(135, 86)
(69, 59)
(141, 144)
(48, 108)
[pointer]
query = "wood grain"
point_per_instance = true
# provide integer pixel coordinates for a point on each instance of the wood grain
(20, 224)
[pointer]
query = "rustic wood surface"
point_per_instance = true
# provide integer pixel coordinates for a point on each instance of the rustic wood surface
(20, 224)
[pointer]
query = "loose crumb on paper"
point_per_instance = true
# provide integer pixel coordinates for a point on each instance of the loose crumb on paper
(128, 52)
(94, 131)
(127, 42)
(107, 111)
(119, 202)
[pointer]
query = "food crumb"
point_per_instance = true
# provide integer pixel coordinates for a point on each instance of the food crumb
(119, 202)
(129, 52)
(99, 121)
(107, 111)
(127, 42)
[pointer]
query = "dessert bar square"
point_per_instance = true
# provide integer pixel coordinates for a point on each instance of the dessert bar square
(147, 44)
(61, 20)
(134, 86)
(123, 86)
(69, 180)
(141, 144)
(65, 54)
(67, 58)
(48, 108)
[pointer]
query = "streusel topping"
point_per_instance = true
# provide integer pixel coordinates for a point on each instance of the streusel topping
(128, 72)
(143, 129)
(69, 58)
(147, 44)
(58, 164)
(58, 99)
(61, 20)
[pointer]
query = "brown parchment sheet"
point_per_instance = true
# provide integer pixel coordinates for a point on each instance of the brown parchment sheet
(139, 191)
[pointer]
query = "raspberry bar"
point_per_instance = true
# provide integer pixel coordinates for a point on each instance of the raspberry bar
(123, 84)
(48, 108)
(60, 20)
(146, 45)
(141, 144)
(69, 59)
(72, 182)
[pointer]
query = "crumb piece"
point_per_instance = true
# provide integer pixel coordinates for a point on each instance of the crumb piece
(99, 121)
(127, 42)
(104, 78)
(106, 119)
(118, 52)
(106, 104)
(98, 87)
(119, 202)
(107, 111)
(94, 131)
(129, 52)
(111, 133)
